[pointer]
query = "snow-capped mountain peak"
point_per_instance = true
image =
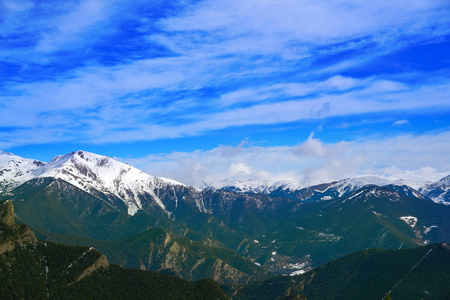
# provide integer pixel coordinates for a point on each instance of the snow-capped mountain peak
(5, 157)
(242, 186)
(90, 171)
(342, 186)
(15, 170)
(438, 191)
(348, 185)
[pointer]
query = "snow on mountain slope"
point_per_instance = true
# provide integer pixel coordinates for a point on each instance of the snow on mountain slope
(5, 157)
(343, 186)
(90, 171)
(14, 170)
(244, 186)
(325, 191)
(348, 185)
(438, 191)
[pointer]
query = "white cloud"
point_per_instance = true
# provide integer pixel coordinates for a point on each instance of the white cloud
(243, 48)
(272, 26)
(276, 91)
(315, 148)
(105, 105)
(239, 169)
(17, 5)
(78, 20)
(412, 158)
(400, 122)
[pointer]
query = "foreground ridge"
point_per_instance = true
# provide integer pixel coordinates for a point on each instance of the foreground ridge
(36, 270)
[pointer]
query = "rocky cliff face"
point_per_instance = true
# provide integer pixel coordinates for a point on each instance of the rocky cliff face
(101, 262)
(7, 214)
(22, 242)
(161, 251)
(12, 235)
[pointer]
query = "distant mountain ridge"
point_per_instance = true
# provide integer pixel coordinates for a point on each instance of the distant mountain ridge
(120, 184)
(438, 192)
(90, 171)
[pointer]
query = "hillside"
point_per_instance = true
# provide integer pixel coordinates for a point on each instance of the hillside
(158, 250)
(34, 270)
(372, 217)
(415, 273)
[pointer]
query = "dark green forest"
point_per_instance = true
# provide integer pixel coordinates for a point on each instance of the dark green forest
(30, 269)
(414, 273)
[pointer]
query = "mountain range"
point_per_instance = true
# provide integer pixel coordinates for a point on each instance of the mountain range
(31, 269)
(90, 171)
(438, 191)
(87, 199)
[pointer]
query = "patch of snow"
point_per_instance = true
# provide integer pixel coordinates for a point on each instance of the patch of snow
(298, 272)
(274, 253)
(417, 194)
(132, 209)
(355, 195)
(410, 220)
(428, 229)
(300, 268)
(377, 214)
(329, 236)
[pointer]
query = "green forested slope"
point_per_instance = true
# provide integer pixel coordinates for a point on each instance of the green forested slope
(158, 250)
(30, 269)
(415, 273)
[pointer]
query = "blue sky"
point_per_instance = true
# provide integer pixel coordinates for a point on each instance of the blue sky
(206, 90)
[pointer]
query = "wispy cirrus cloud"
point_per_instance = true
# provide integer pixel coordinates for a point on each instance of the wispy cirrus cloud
(74, 23)
(107, 107)
(113, 72)
(400, 122)
(278, 24)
